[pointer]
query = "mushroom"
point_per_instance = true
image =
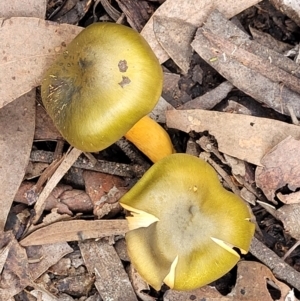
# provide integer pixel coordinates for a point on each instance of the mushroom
(106, 81)
(184, 227)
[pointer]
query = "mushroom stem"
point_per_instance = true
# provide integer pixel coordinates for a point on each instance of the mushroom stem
(151, 139)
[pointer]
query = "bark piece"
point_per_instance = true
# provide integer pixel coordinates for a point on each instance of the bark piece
(209, 99)
(136, 12)
(258, 71)
(280, 269)
(112, 282)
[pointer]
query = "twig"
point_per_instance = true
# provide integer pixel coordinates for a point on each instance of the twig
(113, 168)
(280, 269)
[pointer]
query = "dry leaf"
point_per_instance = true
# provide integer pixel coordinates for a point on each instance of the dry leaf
(101, 260)
(41, 258)
(23, 8)
(194, 12)
(291, 198)
(65, 165)
(15, 275)
(139, 285)
(247, 138)
(281, 167)
(251, 284)
(24, 66)
(17, 119)
(290, 217)
(256, 289)
(45, 129)
(175, 36)
(75, 230)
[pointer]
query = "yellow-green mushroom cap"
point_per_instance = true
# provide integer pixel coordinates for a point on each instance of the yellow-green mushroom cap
(105, 81)
(184, 225)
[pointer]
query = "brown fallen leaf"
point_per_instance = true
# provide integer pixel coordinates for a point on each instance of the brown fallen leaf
(291, 198)
(102, 260)
(104, 191)
(194, 12)
(245, 137)
(24, 66)
(75, 230)
(209, 99)
(281, 167)
(16, 140)
(175, 36)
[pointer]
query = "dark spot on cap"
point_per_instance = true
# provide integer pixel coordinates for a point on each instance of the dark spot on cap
(123, 66)
(125, 81)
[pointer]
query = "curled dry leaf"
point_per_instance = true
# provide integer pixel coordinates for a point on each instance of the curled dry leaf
(290, 217)
(281, 167)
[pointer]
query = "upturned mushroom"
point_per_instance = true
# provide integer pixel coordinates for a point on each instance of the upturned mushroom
(106, 81)
(184, 227)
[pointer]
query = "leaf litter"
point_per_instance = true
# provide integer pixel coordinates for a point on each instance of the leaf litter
(249, 139)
